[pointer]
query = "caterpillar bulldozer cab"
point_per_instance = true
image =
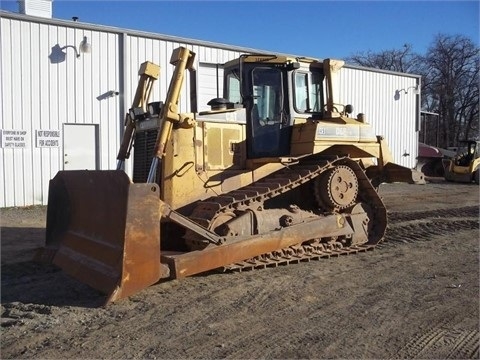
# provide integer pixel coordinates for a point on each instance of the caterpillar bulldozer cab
(464, 166)
(276, 172)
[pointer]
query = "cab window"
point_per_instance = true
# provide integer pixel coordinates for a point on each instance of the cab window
(233, 88)
(267, 96)
(308, 90)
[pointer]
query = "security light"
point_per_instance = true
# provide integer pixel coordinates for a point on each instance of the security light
(85, 47)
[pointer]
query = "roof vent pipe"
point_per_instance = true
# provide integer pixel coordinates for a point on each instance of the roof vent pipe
(41, 8)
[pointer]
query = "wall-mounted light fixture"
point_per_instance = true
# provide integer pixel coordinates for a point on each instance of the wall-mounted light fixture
(415, 88)
(72, 47)
(84, 47)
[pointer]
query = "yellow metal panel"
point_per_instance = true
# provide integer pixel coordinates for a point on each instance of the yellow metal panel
(214, 148)
(195, 162)
(314, 137)
(181, 183)
(231, 136)
(233, 180)
(199, 147)
(149, 69)
(224, 146)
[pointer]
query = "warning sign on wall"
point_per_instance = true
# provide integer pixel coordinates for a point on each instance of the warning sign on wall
(48, 138)
(14, 139)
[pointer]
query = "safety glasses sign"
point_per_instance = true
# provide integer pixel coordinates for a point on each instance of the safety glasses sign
(14, 139)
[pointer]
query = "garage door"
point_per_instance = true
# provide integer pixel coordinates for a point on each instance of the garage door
(209, 85)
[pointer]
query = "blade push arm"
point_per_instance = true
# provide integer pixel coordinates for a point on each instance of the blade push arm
(148, 72)
(182, 59)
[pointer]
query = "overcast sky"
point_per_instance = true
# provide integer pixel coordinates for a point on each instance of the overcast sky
(310, 28)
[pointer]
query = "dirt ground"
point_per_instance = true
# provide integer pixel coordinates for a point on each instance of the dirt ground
(415, 296)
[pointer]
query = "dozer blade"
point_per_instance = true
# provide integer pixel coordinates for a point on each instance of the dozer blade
(397, 173)
(105, 231)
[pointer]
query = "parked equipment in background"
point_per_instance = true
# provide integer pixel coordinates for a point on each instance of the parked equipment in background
(430, 160)
(277, 172)
(464, 166)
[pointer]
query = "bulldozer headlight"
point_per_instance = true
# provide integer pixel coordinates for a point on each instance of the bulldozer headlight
(137, 113)
(154, 108)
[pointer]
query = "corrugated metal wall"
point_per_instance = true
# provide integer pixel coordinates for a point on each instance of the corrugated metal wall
(392, 112)
(41, 89)
(140, 49)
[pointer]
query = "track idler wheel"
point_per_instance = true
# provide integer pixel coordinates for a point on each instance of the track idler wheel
(337, 188)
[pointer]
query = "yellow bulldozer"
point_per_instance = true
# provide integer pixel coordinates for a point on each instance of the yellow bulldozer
(465, 165)
(276, 172)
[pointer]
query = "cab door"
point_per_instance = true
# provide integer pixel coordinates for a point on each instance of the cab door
(269, 125)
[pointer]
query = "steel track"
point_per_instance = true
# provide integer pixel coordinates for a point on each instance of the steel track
(276, 184)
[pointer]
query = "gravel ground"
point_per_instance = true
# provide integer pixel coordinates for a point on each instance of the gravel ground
(415, 296)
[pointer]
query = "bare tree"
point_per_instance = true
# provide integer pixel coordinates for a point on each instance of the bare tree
(451, 87)
(450, 83)
(401, 60)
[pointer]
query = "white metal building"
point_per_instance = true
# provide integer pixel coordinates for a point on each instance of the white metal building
(62, 108)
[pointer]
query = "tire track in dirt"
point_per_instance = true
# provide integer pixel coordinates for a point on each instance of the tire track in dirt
(462, 212)
(411, 227)
(466, 346)
(257, 299)
(229, 304)
(443, 342)
(425, 230)
(235, 318)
